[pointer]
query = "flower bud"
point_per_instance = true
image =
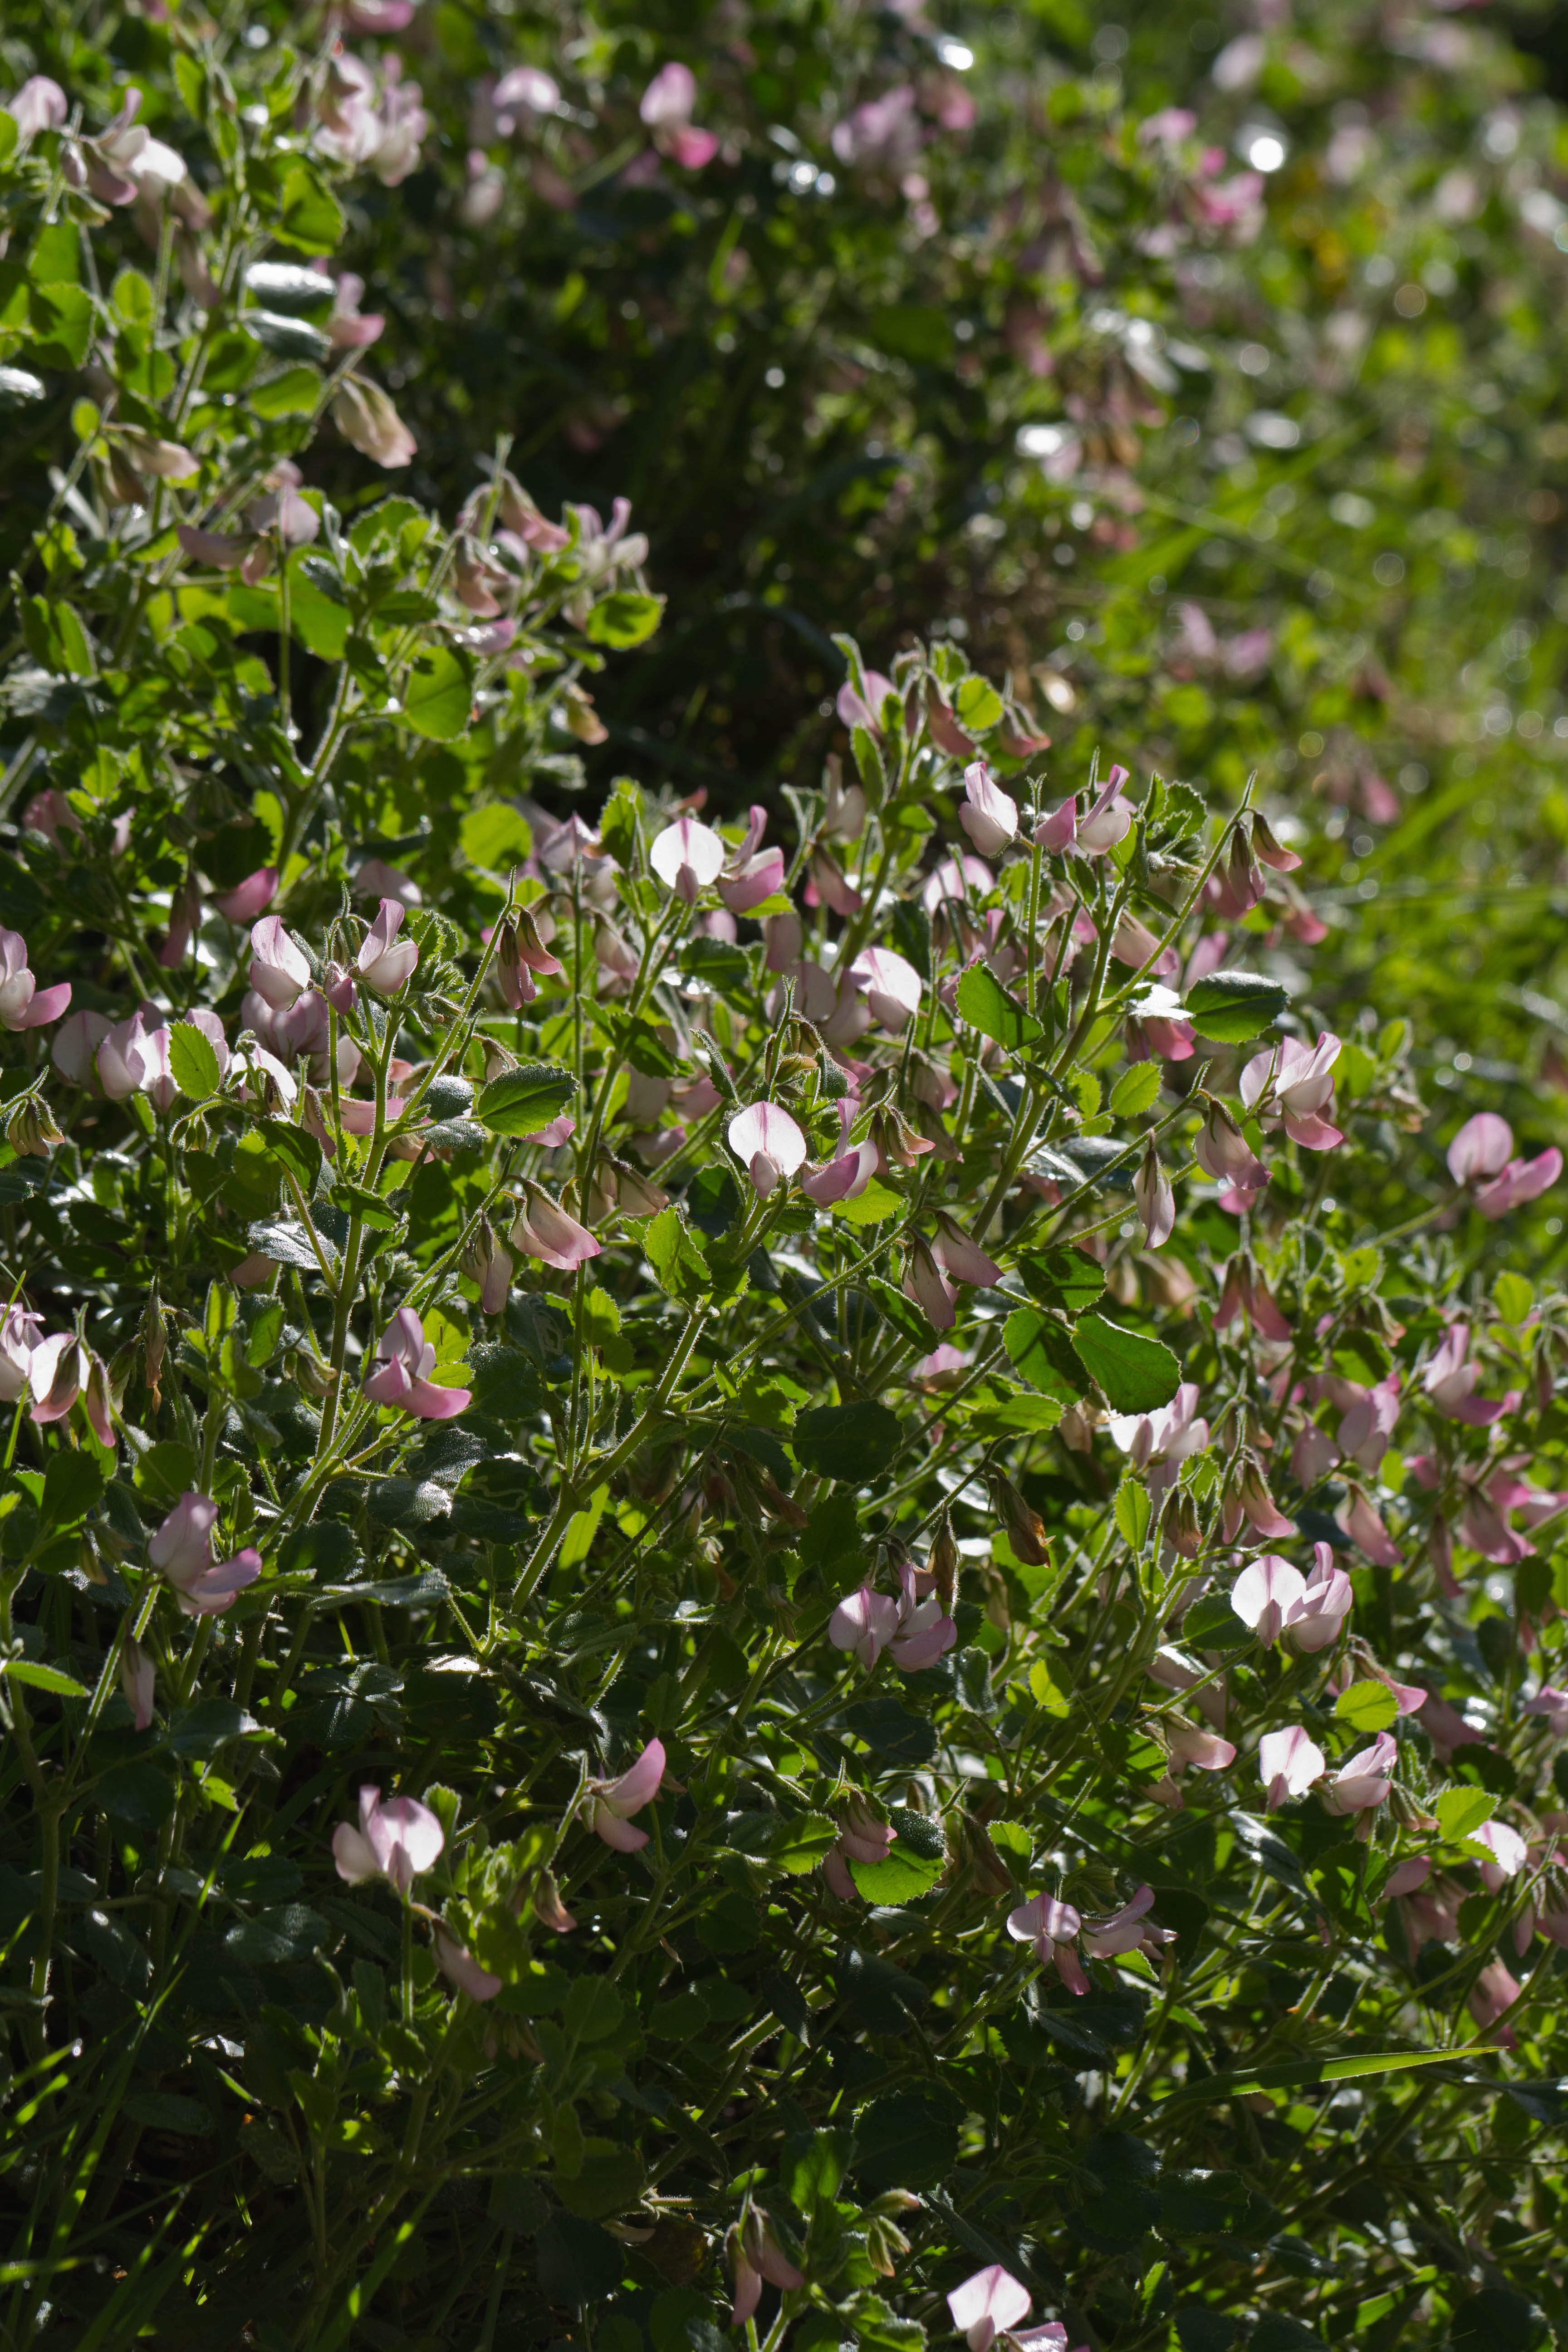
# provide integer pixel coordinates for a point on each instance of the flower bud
(31, 1131)
(944, 1564)
(1023, 1526)
(1179, 1525)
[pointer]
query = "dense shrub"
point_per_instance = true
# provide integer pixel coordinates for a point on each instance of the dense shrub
(803, 1586)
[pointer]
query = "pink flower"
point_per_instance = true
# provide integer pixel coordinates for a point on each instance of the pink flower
(1249, 1498)
(1507, 1850)
(612, 1803)
(132, 1059)
(280, 972)
(1450, 1381)
(755, 2255)
(1480, 1149)
(927, 1287)
(854, 711)
(1479, 1157)
(20, 1333)
(57, 1370)
(991, 818)
(75, 1050)
(40, 105)
(374, 879)
(1159, 1441)
(385, 962)
(457, 1963)
(1052, 1928)
(956, 878)
(1274, 1598)
(1223, 1150)
(844, 1177)
(182, 1551)
(1290, 1085)
(962, 1259)
(1406, 1877)
(1359, 1520)
(22, 1004)
(138, 1682)
(399, 1372)
(1109, 818)
(687, 856)
(865, 1623)
(366, 418)
(1245, 1293)
(1369, 1423)
(669, 98)
(1554, 1705)
(916, 1631)
(862, 1838)
(992, 2301)
(1364, 1781)
(770, 1144)
(748, 881)
(399, 1841)
(1289, 1762)
(1495, 1991)
(1188, 1745)
(892, 985)
(1154, 1198)
(1127, 1930)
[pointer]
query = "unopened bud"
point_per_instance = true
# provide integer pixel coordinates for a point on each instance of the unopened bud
(155, 1340)
(943, 1565)
(497, 1059)
(31, 1131)
(1024, 1528)
(316, 1378)
(91, 1566)
(1179, 1525)
(549, 1908)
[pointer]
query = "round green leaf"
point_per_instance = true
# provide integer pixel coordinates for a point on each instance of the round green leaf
(521, 1101)
(439, 694)
(192, 1062)
(852, 1442)
(1230, 1006)
(1135, 1374)
(1367, 1706)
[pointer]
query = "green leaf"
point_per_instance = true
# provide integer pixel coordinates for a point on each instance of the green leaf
(1067, 1279)
(811, 2167)
(677, 1256)
(73, 1483)
(44, 1678)
(849, 1441)
(718, 963)
(1133, 1511)
(61, 321)
(1135, 1374)
(978, 706)
(1514, 1297)
(803, 1842)
(593, 2008)
(299, 1153)
(895, 1880)
(167, 2111)
(56, 638)
(1049, 1688)
(521, 1101)
(987, 1006)
(1367, 1707)
(1230, 1006)
(1041, 1348)
(908, 2139)
(1461, 1811)
(1136, 1090)
(439, 693)
(308, 218)
(623, 619)
(295, 392)
(193, 1060)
